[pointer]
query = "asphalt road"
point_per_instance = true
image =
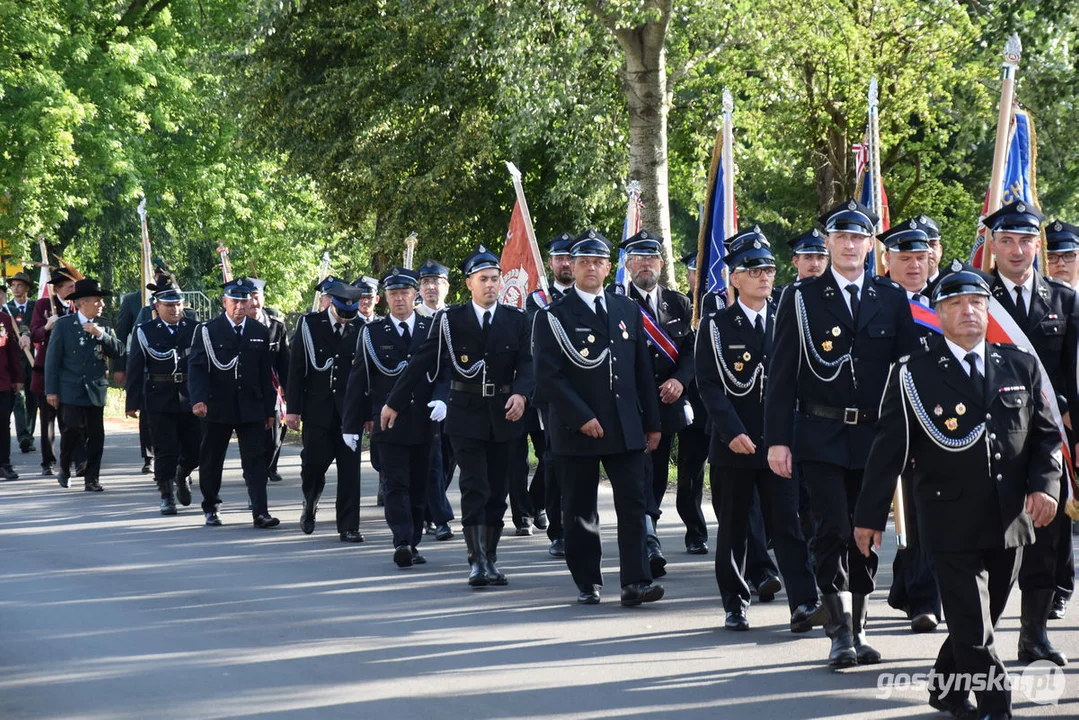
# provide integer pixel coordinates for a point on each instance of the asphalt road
(110, 611)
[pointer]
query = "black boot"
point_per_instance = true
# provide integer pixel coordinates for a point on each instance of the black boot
(859, 612)
(307, 518)
(840, 629)
(168, 502)
(183, 486)
(1033, 640)
(476, 541)
(656, 562)
(494, 575)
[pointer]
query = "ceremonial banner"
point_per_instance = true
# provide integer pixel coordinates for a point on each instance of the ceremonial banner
(630, 227)
(870, 183)
(522, 269)
(720, 212)
(43, 287)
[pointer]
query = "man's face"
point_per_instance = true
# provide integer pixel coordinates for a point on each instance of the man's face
(484, 285)
(19, 288)
(434, 290)
(810, 265)
(589, 273)
(562, 268)
(909, 269)
(1064, 266)
(936, 250)
(754, 285)
(644, 270)
(235, 309)
(91, 307)
(367, 304)
(964, 318)
(401, 302)
(64, 288)
(254, 306)
(170, 312)
(1015, 253)
(848, 250)
(324, 301)
(691, 281)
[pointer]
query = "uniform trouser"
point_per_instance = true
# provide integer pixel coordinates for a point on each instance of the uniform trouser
(692, 454)
(805, 510)
(83, 427)
(1065, 573)
(483, 465)
(322, 446)
(176, 445)
(840, 566)
(251, 438)
(146, 437)
(974, 588)
(759, 565)
(657, 473)
(404, 472)
(914, 578)
(581, 520)
(439, 476)
(7, 402)
(526, 500)
(779, 499)
(274, 437)
(552, 500)
(49, 416)
(25, 416)
(1040, 560)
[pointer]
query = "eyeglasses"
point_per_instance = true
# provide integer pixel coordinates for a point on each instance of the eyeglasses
(757, 273)
(1062, 258)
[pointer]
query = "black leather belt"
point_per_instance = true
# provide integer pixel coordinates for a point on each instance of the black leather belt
(176, 378)
(484, 389)
(849, 416)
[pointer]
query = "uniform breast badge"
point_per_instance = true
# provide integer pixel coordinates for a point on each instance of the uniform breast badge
(960, 409)
(938, 411)
(836, 331)
(951, 424)
(826, 346)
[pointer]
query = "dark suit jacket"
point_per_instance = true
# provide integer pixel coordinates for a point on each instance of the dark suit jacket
(75, 367)
(885, 332)
(130, 304)
(507, 350)
(244, 394)
(318, 396)
(971, 499)
(734, 410)
(40, 337)
(159, 394)
(620, 393)
(12, 360)
(532, 306)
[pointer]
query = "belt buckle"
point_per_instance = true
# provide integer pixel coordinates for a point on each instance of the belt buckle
(850, 416)
(177, 378)
(487, 389)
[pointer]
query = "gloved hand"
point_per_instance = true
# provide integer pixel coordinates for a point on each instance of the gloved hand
(351, 440)
(438, 410)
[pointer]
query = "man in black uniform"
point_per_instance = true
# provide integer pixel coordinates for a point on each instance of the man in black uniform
(21, 309)
(594, 374)
(488, 346)
(971, 418)
(131, 308)
(321, 355)
(561, 264)
(368, 287)
(1045, 311)
(385, 348)
(279, 357)
(231, 387)
(932, 231)
(693, 452)
(914, 583)
(835, 337)
(156, 384)
(732, 354)
(668, 318)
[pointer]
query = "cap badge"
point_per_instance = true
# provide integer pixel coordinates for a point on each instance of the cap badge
(852, 205)
(956, 266)
(1021, 207)
(913, 224)
(756, 244)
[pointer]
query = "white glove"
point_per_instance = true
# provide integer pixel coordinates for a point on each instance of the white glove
(351, 440)
(438, 410)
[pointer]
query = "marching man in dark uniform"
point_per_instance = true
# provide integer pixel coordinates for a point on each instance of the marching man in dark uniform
(76, 379)
(835, 337)
(368, 288)
(11, 384)
(21, 309)
(693, 452)
(594, 373)
(231, 388)
(488, 347)
(971, 418)
(156, 384)
(384, 350)
(1046, 311)
(322, 353)
(732, 353)
(279, 358)
(668, 318)
(932, 231)
(46, 314)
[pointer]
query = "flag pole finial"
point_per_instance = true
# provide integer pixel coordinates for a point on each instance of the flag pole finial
(141, 209)
(633, 187)
(1013, 49)
(728, 101)
(873, 98)
(514, 172)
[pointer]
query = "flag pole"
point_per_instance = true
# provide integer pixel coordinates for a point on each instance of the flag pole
(323, 272)
(1013, 49)
(875, 173)
(532, 244)
(729, 223)
(702, 233)
(147, 272)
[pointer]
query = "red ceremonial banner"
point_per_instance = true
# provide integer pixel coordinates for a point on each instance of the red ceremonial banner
(520, 276)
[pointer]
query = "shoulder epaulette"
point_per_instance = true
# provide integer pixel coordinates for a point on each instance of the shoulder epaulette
(806, 281)
(886, 282)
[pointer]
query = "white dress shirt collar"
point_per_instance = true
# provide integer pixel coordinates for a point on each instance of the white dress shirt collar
(1028, 289)
(961, 355)
(480, 310)
(752, 314)
(589, 299)
(409, 322)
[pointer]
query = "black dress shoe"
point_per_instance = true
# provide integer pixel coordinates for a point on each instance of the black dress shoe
(807, 616)
(657, 564)
(46, 470)
(418, 559)
(402, 556)
(1059, 609)
(183, 491)
(959, 707)
(924, 622)
(168, 507)
(351, 536)
(93, 486)
(767, 589)
(634, 595)
(524, 530)
(8, 473)
(266, 521)
(736, 620)
(26, 446)
(558, 548)
(588, 596)
(697, 548)
(274, 476)
(213, 519)
(146, 469)
(64, 480)
(541, 520)
(443, 532)
(429, 528)
(307, 517)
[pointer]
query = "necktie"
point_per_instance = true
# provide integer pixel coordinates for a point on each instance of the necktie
(1020, 304)
(486, 321)
(758, 325)
(337, 330)
(917, 297)
(172, 328)
(405, 333)
(649, 306)
(853, 290)
(600, 311)
(239, 331)
(975, 377)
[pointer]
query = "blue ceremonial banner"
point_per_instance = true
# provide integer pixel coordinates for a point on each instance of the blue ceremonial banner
(710, 247)
(630, 227)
